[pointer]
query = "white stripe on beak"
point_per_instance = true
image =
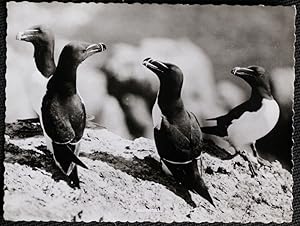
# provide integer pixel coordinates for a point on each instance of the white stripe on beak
(148, 63)
(162, 64)
(21, 35)
(91, 47)
(100, 47)
(31, 30)
(241, 69)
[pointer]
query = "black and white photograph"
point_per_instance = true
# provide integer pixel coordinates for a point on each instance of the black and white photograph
(149, 112)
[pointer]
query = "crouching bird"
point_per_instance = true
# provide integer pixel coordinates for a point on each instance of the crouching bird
(42, 39)
(251, 120)
(63, 111)
(177, 132)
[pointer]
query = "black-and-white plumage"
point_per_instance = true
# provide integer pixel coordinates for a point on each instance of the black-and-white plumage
(63, 112)
(177, 132)
(251, 120)
(42, 39)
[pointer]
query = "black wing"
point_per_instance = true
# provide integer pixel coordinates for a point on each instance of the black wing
(174, 145)
(55, 121)
(248, 106)
(78, 121)
(64, 122)
(196, 135)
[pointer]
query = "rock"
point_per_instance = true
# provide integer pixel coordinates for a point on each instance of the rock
(126, 75)
(124, 183)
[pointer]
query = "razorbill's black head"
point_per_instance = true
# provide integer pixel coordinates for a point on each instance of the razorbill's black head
(255, 76)
(70, 58)
(42, 38)
(76, 52)
(170, 76)
(38, 35)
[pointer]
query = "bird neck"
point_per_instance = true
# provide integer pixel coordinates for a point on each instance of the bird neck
(44, 59)
(260, 93)
(64, 78)
(170, 104)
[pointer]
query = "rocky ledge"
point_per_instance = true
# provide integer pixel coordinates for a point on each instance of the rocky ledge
(124, 183)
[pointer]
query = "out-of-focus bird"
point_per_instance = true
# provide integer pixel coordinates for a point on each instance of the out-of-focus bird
(251, 120)
(63, 111)
(42, 39)
(177, 132)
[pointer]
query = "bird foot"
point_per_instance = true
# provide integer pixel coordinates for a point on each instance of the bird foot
(252, 170)
(263, 163)
(251, 162)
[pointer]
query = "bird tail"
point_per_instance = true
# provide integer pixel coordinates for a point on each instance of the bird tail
(211, 119)
(213, 130)
(188, 175)
(65, 155)
(198, 185)
(74, 178)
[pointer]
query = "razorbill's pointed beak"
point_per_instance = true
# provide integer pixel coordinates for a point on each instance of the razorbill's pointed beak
(24, 35)
(155, 65)
(95, 48)
(241, 71)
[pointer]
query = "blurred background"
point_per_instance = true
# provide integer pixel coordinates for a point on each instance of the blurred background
(206, 42)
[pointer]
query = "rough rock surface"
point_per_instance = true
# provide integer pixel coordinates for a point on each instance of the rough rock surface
(124, 183)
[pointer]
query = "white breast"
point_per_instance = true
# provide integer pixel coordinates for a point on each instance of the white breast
(36, 89)
(252, 126)
(156, 115)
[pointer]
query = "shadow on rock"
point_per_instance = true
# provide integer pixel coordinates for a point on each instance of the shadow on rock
(214, 150)
(23, 128)
(35, 160)
(145, 169)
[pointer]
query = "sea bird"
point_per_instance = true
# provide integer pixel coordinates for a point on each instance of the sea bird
(42, 39)
(251, 120)
(63, 111)
(177, 131)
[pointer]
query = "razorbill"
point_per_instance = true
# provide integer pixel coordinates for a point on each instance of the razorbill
(177, 132)
(251, 120)
(42, 39)
(63, 111)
